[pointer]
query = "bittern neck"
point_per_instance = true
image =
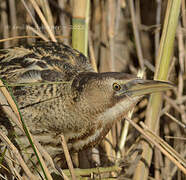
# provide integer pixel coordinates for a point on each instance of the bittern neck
(118, 110)
(102, 121)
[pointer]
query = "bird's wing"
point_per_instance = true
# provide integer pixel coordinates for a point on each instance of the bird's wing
(43, 61)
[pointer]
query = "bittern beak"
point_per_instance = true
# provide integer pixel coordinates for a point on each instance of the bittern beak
(139, 87)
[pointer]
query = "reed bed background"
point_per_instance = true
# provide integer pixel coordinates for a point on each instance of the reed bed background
(116, 36)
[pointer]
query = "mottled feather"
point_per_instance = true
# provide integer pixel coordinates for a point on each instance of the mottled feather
(44, 61)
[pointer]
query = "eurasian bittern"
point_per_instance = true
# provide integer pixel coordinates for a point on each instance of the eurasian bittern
(82, 104)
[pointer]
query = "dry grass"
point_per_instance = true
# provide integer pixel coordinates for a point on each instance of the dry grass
(112, 45)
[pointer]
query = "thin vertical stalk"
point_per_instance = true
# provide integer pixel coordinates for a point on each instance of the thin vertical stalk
(80, 25)
(162, 68)
(136, 34)
(183, 7)
(29, 12)
(110, 53)
(157, 32)
(157, 41)
(43, 19)
(4, 21)
(68, 158)
(48, 14)
(125, 128)
(111, 32)
(13, 18)
(63, 23)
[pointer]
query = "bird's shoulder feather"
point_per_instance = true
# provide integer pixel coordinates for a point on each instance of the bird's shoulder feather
(43, 61)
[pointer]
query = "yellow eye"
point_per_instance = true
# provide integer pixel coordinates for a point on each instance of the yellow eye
(116, 86)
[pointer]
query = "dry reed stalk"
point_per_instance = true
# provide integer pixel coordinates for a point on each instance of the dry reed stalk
(67, 156)
(103, 38)
(41, 35)
(4, 21)
(100, 36)
(43, 19)
(104, 66)
(174, 105)
(13, 18)
(176, 120)
(158, 21)
(125, 128)
(80, 25)
(163, 61)
(118, 16)
(32, 17)
(13, 113)
(17, 156)
(111, 33)
(47, 14)
(97, 170)
(63, 23)
(136, 34)
(29, 21)
(12, 164)
(18, 37)
(165, 148)
(92, 54)
(183, 10)
(182, 57)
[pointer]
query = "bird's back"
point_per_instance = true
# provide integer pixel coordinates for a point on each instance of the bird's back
(43, 61)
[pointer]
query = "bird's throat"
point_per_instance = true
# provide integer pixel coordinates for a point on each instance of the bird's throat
(118, 110)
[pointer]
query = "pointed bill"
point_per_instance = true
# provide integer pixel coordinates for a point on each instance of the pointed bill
(138, 87)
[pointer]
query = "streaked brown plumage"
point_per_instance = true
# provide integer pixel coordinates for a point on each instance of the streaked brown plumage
(83, 106)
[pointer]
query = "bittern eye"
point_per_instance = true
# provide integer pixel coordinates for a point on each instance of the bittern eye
(116, 86)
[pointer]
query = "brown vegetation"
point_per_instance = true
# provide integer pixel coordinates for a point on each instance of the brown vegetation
(117, 36)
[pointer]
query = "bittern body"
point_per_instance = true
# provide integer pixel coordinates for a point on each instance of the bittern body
(67, 96)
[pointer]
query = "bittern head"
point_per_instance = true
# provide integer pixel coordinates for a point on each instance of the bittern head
(114, 93)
